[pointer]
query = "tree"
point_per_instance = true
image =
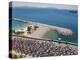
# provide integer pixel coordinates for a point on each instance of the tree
(35, 27)
(29, 29)
(19, 32)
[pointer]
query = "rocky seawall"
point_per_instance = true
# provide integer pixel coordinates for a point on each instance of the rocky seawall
(42, 48)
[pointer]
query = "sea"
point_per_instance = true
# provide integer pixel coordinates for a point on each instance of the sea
(51, 16)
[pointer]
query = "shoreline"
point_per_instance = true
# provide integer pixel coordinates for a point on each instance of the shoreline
(43, 39)
(39, 33)
(42, 27)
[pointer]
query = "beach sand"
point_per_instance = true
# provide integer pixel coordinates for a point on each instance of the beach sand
(43, 28)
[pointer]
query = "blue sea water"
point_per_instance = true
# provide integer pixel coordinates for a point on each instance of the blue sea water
(16, 25)
(51, 16)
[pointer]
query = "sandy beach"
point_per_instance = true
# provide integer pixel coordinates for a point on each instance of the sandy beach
(39, 32)
(43, 28)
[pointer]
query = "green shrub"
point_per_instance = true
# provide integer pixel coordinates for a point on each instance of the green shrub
(19, 32)
(35, 27)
